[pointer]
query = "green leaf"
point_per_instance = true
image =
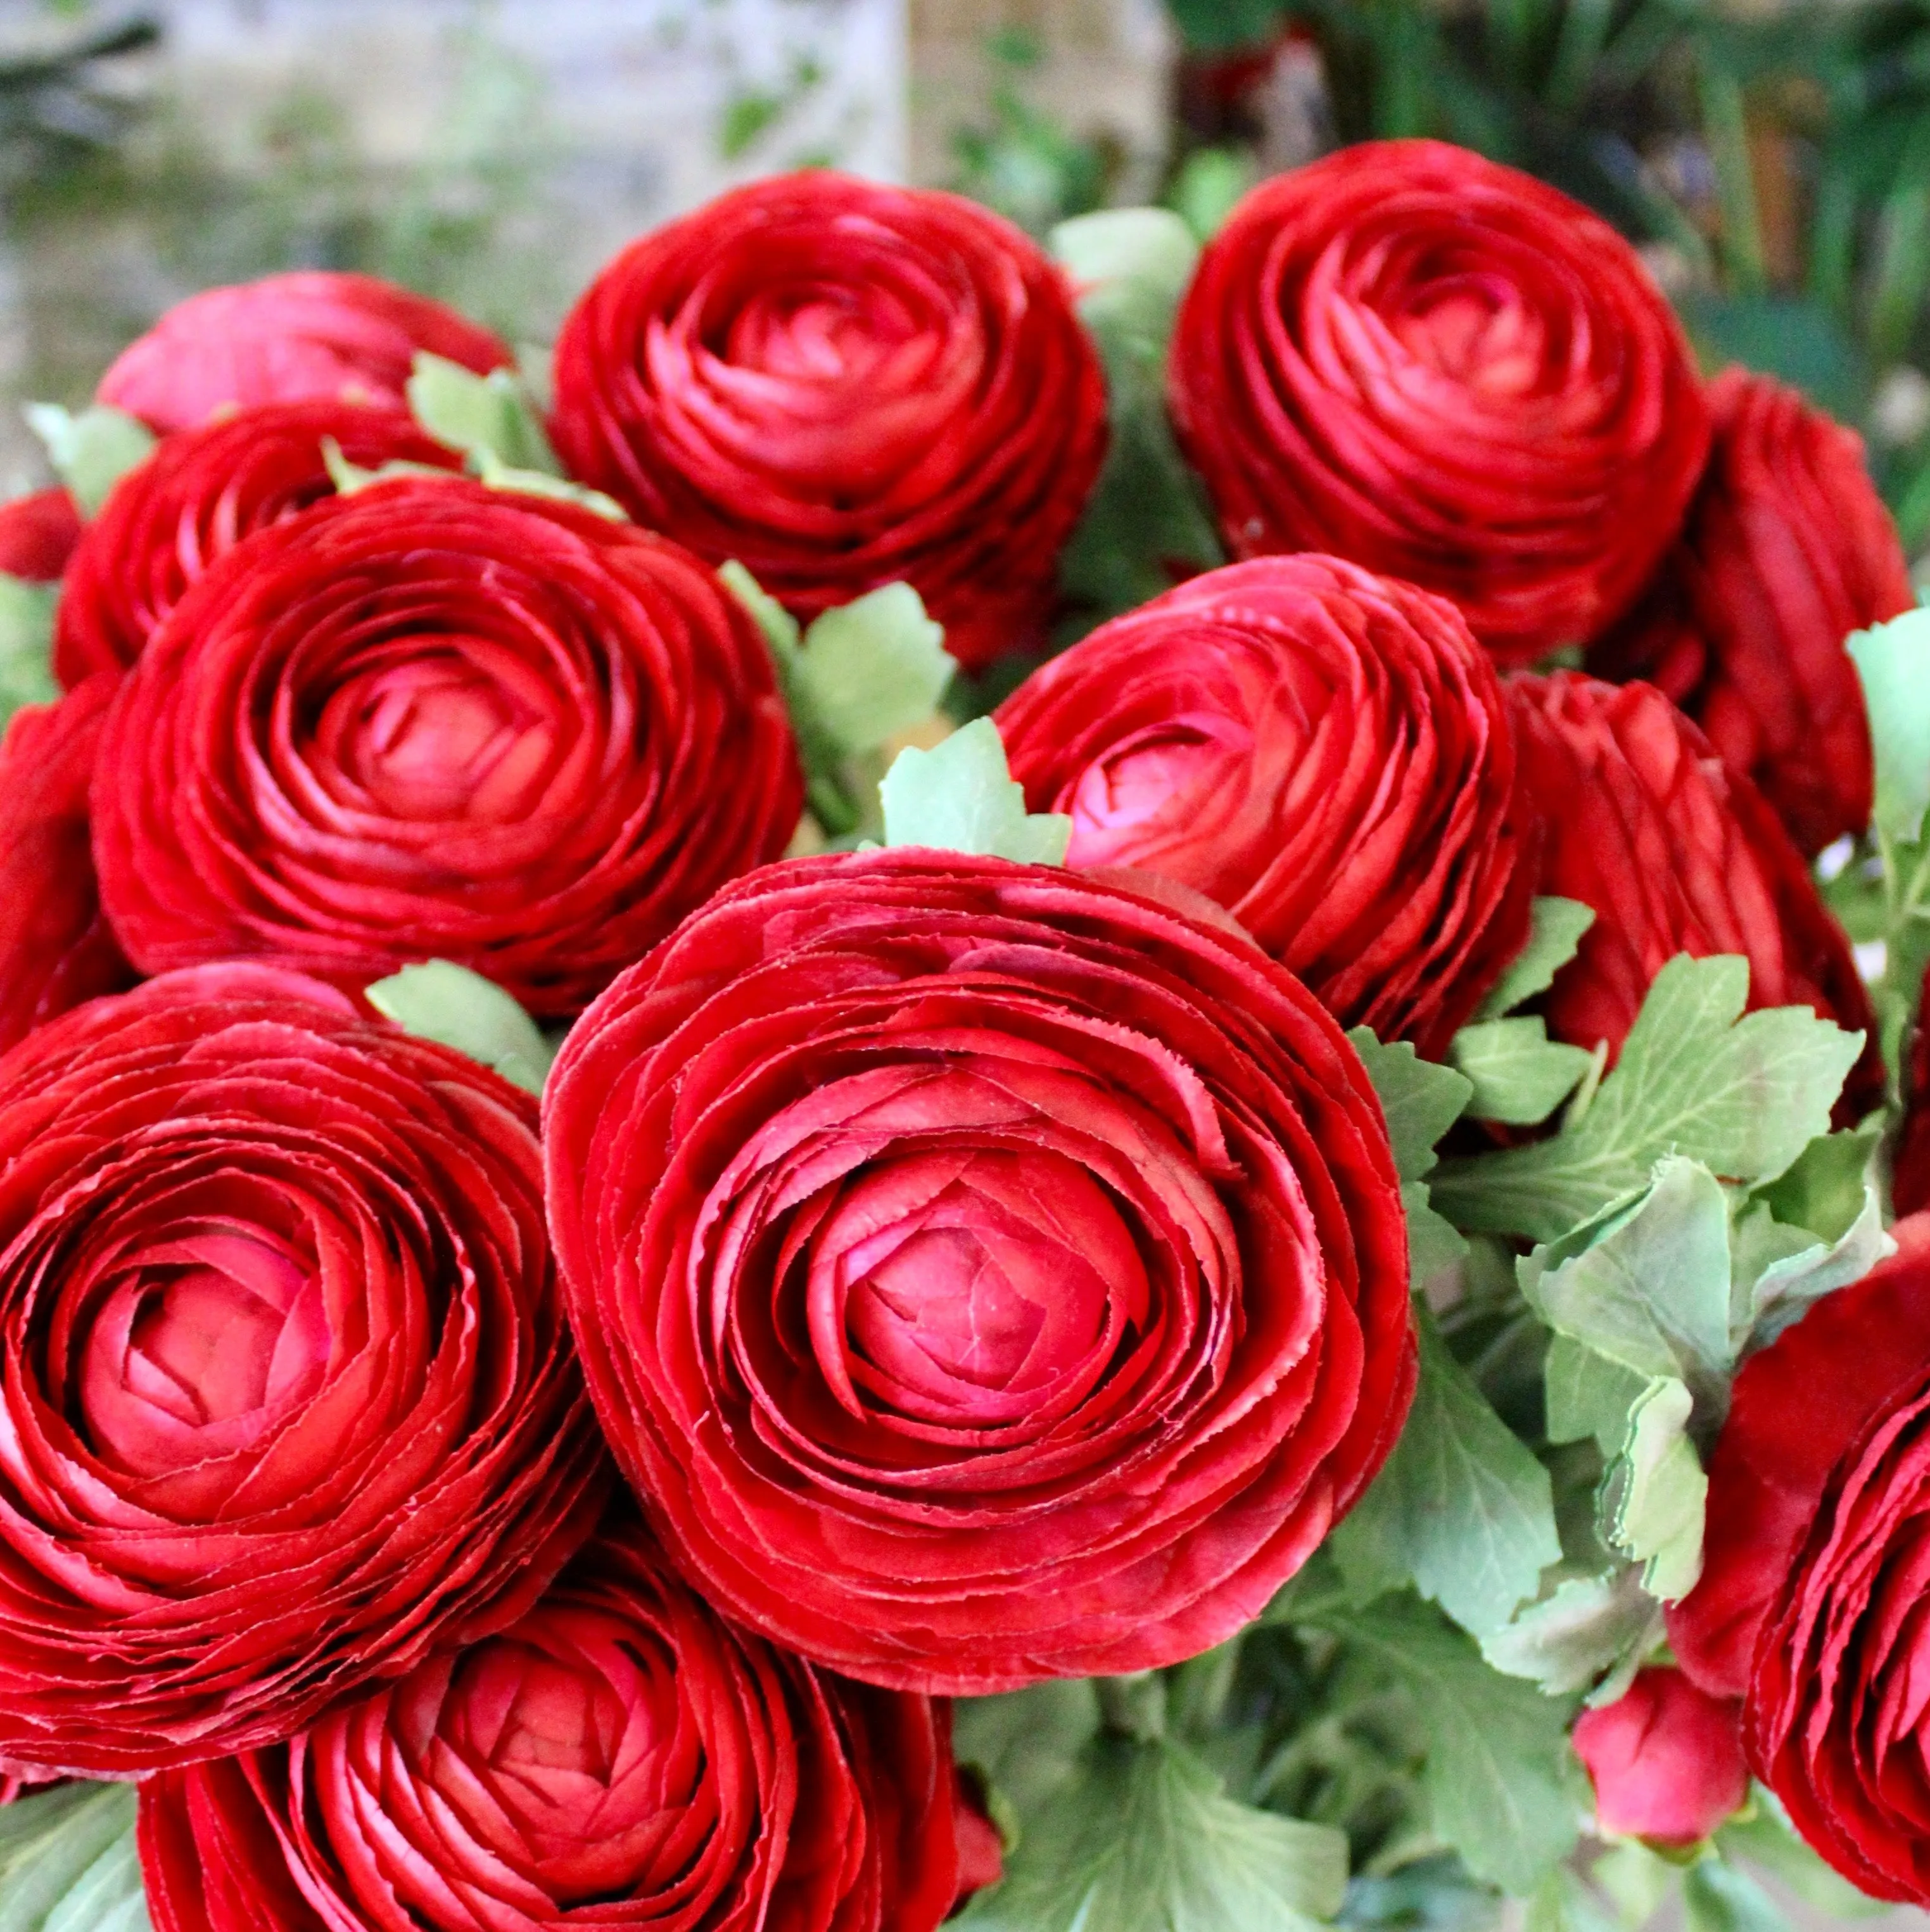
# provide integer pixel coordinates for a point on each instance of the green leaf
(476, 413)
(1744, 1095)
(1421, 1101)
(1026, 1742)
(1764, 1835)
(1893, 661)
(1589, 1396)
(780, 628)
(487, 467)
(1555, 931)
(1130, 267)
(91, 451)
(1462, 1506)
(449, 1004)
(26, 643)
(1655, 1494)
(961, 796)
(349, 478)
(1519, 1075)
(1566, 1902)
(67, 1861)
(1719, 1897)
(870, 669)
(1143, 1838)
(1784, 1291)
(1588, 1625)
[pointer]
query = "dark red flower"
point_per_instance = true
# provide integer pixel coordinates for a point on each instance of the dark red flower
(1665, 1759)
(983, 1273)
(286, 1394)
(1677, 853)
(620, 1756)
(436, 720)
(37, 535)
(1788, 549)
(841, 384)
(1449, 372)
(55, 948)
(1326, 753)
(313, 333)
(1813, 1605)
(201, 492)
(1910, 1177)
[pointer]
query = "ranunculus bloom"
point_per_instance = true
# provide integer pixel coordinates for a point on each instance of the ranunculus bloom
(55, 948)
(1814, 1601)
(621, 1756)
(1326, 753)
(201, 492)
(1677, 853)
(436, 720)
(1447, 371)
(37, 535)
(840, 384)
(1787, 550)
(312, 333)
(287, 1396)
(1910, 1177)
(1665, 1759)
(984, 1273)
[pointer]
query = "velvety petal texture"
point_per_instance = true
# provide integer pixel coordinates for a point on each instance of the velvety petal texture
(841, 385)
(1788, 549)
(1665, 1759)
(201, 492)
(1813, 1604)
(619, 1757)
(1910, 1170)
(55, 948)
(1447, 371)
(311, 333)
(286, 1394)
(435, 720)
(37, 535)
(984, 1273)
(1326, 753)
(1677, 853)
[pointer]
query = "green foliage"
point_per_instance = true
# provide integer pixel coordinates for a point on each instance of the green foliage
(441, 1001)
(961, 797)
(26, 643)
(1421, 1102)
(1519, 1075)
(492, 413)
(67, 1861)
(1023, 161)
(1555, 932)
(91, 452)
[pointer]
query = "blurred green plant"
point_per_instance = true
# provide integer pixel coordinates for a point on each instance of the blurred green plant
(59, 106)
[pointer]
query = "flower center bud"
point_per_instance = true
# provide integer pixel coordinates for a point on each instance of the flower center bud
(1476, 330)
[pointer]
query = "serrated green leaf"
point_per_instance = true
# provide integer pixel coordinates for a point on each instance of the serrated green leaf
(1462, 1508)
(26, 643)
(446, 1002)
(1655, 1493)
(781, 629)
(1586, 1626)
(489, 469)
(1589, 1395)
(1555, 931)
(475, 413)
(875, 667)
(1825, 1192)
(67, 1862)
(351, 478)
(1785, 1290)
(1743, 1095)
(1719, 1897)
(961, 796)
(1142, 1838)
(92, 451)
(1519, 1075)
(1129, 266)
(1027, 1742)
(1893, 661)
(1421, 1101)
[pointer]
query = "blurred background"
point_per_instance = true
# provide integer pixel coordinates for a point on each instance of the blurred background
(1772, 157)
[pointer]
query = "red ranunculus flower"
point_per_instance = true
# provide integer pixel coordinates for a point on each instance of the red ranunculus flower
(312, 333)
(1447, 371)
(37, 535)
(1787, 550)
(1677, 853)
(200, 493)
(621, 1756)
(56, 948)
(984, 1273)
(1910, 1177)
(1665, 1759)
(841, 384)
(286, 1394)
(1326, 753)
(436, 720)
(1814, 1601)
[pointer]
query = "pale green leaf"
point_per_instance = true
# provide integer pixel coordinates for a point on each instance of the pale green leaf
(1744, 1095)
(26, 643)
(446, 1002)
(490, 469)
(91, 451)
(1554, 934)
(1785, 1290)
(1764, 1835)
(1421, 1101)
(351, 478)
(67, 1862)
(1719, 1897)
(1142, 1838)
(1026, 1742)
(1566, 1902)
(1589, 1395)
(781, 629)
(1586, 1626)
(1519, 1075)
(1637, 1880)
(1655, 1494)
(1128, 266)
(1462, 1508)
(875, 667)
(961, 796)
(1893, 661)
(473, 413)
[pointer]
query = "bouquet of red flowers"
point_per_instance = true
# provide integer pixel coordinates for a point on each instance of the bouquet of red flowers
(1062, 1086)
